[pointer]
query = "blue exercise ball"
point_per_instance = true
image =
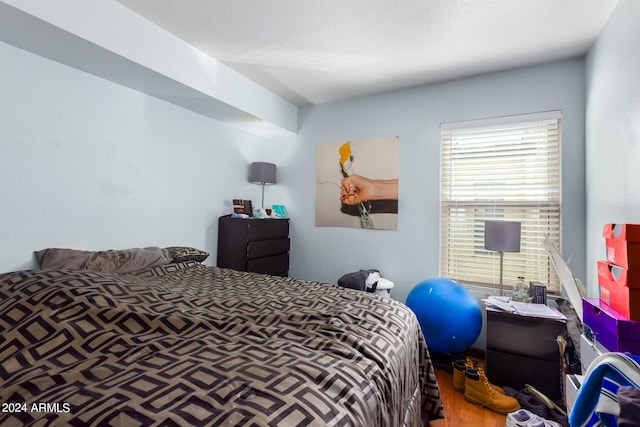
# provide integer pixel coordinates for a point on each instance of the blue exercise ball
(448, 314)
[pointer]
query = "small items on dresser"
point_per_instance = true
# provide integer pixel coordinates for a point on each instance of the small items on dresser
(242, 207)
(521, 291)
(538, 292)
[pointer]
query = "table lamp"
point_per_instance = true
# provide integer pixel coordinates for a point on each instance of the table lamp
(502, 236)
(262, 173)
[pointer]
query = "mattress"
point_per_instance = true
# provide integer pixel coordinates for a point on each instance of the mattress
(188, 344)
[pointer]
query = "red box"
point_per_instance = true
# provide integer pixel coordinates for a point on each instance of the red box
(623, 245)
(620, 289)
(610, 328)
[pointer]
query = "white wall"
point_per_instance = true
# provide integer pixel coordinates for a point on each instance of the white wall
(613, 131)
(89, 164)
(410, 254)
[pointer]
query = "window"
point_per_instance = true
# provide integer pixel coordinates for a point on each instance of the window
(508, 169)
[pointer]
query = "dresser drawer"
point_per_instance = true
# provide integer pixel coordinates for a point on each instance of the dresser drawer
(263, 248)
(523, 335)
(267, 229)
(505, 369)
(277, 265)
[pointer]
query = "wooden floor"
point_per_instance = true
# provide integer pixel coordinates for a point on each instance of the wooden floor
(460, 413)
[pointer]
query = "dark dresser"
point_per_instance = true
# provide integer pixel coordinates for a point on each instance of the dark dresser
(256, 245)
(524, 350)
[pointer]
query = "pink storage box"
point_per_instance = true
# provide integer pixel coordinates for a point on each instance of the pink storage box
(623, 245)
(620, 289)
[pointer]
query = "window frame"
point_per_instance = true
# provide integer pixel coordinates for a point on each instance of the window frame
(537, 207)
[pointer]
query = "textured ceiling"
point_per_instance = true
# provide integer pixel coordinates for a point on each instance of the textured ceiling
(316, 51)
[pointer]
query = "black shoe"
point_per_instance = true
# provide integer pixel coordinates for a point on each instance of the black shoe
(556, 416)
(528, 401)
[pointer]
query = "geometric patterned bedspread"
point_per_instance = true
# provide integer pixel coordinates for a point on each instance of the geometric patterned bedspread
(192, 345)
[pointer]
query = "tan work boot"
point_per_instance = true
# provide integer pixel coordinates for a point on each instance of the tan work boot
(459, 368)
(479, 391)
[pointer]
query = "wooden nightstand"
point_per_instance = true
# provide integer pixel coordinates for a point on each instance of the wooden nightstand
(256, 245)
(524, 350)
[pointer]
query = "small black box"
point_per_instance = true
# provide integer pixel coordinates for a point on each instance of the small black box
(538, 292)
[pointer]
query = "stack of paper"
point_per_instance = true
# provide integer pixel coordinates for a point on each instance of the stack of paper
(524, 308)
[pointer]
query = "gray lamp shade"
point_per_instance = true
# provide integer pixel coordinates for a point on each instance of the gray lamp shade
(502, 236)
(262, 173)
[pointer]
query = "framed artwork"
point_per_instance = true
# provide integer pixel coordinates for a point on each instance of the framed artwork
(357, 183)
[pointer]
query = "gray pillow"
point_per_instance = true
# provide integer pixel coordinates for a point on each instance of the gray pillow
(109, 261)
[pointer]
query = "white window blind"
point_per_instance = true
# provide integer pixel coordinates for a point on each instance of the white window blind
(500, 169)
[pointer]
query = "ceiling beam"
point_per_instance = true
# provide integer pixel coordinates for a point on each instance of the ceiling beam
(104, 38)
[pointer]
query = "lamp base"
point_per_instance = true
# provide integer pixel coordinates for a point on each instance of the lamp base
(501, 283)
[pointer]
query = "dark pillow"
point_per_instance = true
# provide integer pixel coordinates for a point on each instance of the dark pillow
(110, 261)
(185, 253)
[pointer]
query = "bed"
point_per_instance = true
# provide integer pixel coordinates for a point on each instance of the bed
(181, 343)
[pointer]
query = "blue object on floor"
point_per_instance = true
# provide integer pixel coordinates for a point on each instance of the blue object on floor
(448, 314)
